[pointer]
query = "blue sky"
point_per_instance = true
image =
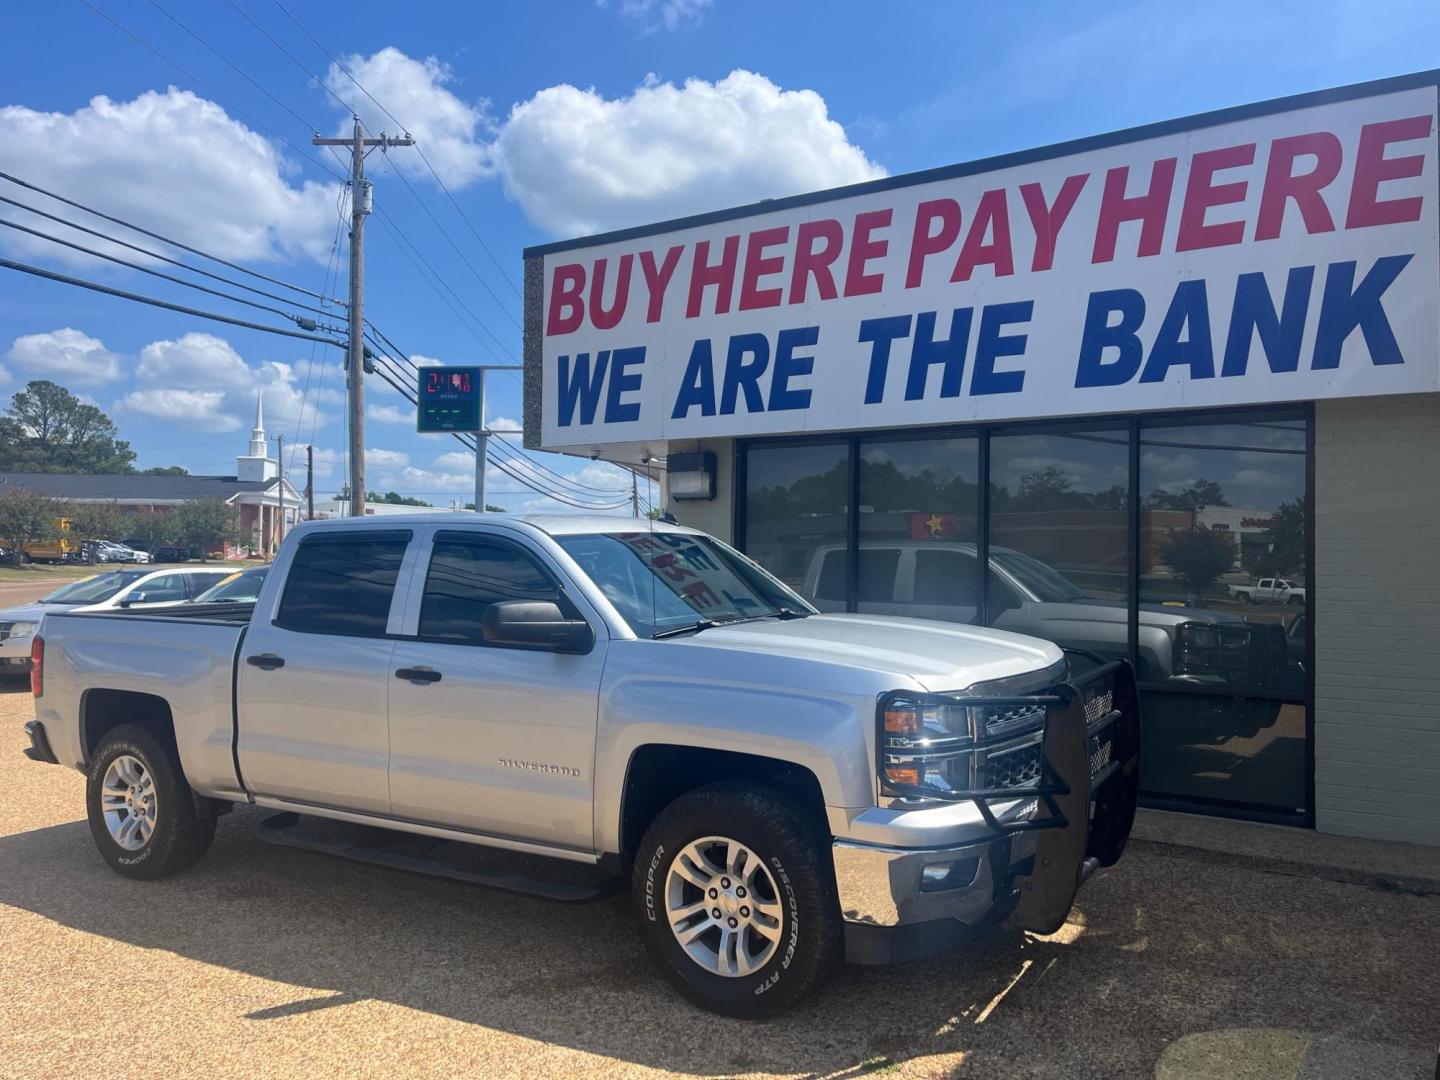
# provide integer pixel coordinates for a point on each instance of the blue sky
(544, 120)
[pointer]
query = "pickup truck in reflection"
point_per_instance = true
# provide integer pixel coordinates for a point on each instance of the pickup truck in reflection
(1181, 646)
(1273, 590)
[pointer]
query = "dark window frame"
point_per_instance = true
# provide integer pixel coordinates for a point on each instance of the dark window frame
(1132, 426)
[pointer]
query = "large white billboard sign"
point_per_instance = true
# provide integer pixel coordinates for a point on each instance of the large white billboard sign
(1279, 257)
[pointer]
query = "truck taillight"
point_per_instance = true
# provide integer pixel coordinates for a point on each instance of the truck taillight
(37, 665)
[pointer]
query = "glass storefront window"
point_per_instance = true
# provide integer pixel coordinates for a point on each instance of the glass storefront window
(1222, 552)
(1220, 600)
(796, 503)
(919, 506)
(1059, 526)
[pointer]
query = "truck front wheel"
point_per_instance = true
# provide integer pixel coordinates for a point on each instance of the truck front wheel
(142, 813)
(736, 898)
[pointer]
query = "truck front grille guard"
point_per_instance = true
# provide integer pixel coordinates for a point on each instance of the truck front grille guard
(1082, 701)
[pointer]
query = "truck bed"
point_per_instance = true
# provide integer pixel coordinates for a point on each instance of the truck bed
(183, 655)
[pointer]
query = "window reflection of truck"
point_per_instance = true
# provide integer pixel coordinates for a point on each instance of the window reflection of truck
(1180, 647)
(1272, 590)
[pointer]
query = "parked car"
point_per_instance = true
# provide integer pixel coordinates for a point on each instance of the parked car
(1270, 590)
(781, 789)
(18, 624)
(241, 587)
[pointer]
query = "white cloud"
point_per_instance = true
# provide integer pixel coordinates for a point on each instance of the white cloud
(175, 163)
(390, 414)
(199, 409)
(577, 162)
(385, 459)
(67, 356)
(662, 14)
(204, 362)
(448, 129)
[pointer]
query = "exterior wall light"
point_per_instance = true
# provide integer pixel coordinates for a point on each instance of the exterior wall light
(691, 476)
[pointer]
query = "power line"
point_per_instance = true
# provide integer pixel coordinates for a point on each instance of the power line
(293, 58)
(165, 239)
(95, 286)
(299, 320)
(504, 274)
(207, 88)
(156, 255)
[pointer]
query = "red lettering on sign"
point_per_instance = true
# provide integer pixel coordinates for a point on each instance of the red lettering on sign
(1282, 184)
(599, 317)
(1201, 193)
(721, 275)
(1149, 209)
(1047, 220)
(567, 307)
(923, 243)
(1372, 168)
(864, 249)
(657, 280)
(758, 265)
(813, 262)
(992, 220)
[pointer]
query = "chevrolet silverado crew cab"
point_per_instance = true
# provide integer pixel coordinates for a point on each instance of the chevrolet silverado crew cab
(782, 789)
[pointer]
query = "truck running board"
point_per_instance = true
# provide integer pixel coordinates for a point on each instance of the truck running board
(285, 830)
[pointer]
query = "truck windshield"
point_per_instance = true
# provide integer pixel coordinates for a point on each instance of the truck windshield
(1044, 582)
(663, 581)
(93, 590)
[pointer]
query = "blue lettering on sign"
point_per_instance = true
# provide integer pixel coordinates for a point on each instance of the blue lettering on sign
(697, 385)
(743, 376)
(1254, 315)
(880, 333)
(990, 345)
(1100, 334)
(783, 396)
(622, 382)
(1346, 307)
(581, 385)
(950, 352)
(1189, 315)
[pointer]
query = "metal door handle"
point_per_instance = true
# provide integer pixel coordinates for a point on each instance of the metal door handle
(266, 661)
(418, 674)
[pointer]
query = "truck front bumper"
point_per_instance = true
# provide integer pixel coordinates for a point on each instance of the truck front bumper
(1031, 848)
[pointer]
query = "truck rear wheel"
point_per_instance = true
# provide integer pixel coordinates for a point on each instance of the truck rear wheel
(141, 809)
(736, 898)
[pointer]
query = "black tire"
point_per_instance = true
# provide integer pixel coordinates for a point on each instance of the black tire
(769, 823)
(181, 834)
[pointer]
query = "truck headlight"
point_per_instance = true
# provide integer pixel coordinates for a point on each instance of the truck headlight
(939, 747)
(23, 629)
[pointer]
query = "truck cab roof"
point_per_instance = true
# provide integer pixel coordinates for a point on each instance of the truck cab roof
(550, 524)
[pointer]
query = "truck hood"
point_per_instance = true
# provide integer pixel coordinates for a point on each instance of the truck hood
(939, 656)
(30, 612)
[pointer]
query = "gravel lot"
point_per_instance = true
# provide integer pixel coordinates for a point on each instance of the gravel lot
(1179, 963)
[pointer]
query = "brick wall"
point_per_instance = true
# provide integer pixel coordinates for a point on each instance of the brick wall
(1377, 617)
(712, 515)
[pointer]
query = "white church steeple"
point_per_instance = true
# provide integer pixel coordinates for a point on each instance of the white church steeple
(257, 464)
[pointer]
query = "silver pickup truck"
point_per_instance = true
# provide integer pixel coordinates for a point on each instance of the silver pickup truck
(781, 789)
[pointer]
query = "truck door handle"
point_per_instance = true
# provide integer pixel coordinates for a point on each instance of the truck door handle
(267, 661)
(418, 674)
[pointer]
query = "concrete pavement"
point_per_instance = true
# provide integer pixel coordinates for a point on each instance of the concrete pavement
(1179, 963)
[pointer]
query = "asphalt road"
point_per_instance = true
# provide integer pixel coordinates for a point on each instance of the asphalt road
(264, 961)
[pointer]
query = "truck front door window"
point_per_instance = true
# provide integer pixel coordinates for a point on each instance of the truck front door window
(469, 573)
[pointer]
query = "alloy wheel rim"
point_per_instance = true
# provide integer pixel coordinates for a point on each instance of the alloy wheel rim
(128, 802)
(723, 907)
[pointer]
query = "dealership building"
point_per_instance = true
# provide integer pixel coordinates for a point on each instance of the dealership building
(1170, 394)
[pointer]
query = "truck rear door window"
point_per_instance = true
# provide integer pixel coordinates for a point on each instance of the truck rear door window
(469, 573)
(343, 584)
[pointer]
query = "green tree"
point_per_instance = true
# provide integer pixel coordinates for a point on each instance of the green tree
(205, 523)
(394, 498)
(49, 429)
(1199, 494)
(165, 470)
(27, 517)
(152, 528)
(1287, 538)
(94, 521)
(1198, 556)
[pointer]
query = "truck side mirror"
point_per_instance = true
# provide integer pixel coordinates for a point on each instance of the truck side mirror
(536, 624)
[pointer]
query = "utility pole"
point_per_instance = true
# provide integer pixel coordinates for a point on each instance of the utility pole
(280, 459)
(634, 495)
(482, 449)
(309, 482)
(361, 201)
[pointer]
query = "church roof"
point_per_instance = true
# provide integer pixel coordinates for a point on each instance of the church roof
(133, 488)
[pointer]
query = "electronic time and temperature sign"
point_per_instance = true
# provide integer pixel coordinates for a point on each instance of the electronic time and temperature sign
(448, 399)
